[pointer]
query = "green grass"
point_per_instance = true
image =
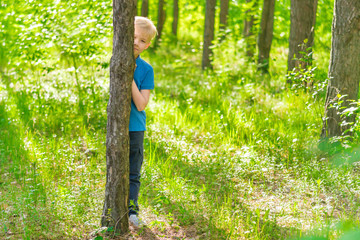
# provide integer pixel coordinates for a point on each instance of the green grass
(50, 163)
(229, 153)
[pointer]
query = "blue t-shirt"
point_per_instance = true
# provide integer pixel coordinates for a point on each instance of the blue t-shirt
(144, 79)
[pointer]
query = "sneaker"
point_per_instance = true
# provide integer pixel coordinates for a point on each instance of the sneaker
(135, 221)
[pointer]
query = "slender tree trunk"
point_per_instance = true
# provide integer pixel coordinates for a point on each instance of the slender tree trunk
(302, 28)
(266, 35)
(208, 33)
(145, 8)
(175, 17)
(161, 21)
(248, 32)
(344, 69)
(224, 11)
(122, 63)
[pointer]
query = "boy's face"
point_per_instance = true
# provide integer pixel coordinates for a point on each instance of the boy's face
(141, 41)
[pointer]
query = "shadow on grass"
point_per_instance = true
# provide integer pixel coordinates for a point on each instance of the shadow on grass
(217, 191)
(23, 197)
(13, 156)
(13, 168)
(33, 157)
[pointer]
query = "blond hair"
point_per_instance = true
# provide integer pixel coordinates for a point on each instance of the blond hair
(147, 25)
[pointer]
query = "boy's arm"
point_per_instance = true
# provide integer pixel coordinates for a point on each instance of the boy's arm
(140, 98)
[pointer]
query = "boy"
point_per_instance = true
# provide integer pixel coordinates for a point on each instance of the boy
(140, 93)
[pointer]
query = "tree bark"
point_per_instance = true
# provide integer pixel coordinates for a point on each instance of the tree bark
(224, 11)
(302, 26)
(145, 8)
(266, 35)
(208, 33)
(175, 17)
(249, 29)
(160, 22)
(122, 65)
(344, 70)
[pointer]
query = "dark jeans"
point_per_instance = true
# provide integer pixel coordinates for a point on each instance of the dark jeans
(136, 160)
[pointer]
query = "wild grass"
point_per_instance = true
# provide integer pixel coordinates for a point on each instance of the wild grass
(229, 153)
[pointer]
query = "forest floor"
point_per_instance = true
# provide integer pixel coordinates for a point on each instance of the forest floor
(229, 154)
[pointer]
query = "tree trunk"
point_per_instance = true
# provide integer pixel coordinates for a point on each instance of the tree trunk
(145, 8)
(160, 22)
(122, 65)
(175, 17)
(344, 70)
(302, 28)
(208, 33)
(266, 35)
(224, 11)
(248, 32)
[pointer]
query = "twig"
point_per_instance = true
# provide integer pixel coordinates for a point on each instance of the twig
(119, 221)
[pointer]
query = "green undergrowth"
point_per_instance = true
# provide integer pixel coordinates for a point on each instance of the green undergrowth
(231, 153)
(246, 152)
(51, 155)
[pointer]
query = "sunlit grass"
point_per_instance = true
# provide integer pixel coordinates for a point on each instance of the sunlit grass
(229, 153)
(54, 158)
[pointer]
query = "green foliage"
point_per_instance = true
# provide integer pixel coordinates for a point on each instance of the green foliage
(303, 75)
(344, 149)
(40, 29)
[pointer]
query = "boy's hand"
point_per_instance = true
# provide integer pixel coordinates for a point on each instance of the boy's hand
(140, 98)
